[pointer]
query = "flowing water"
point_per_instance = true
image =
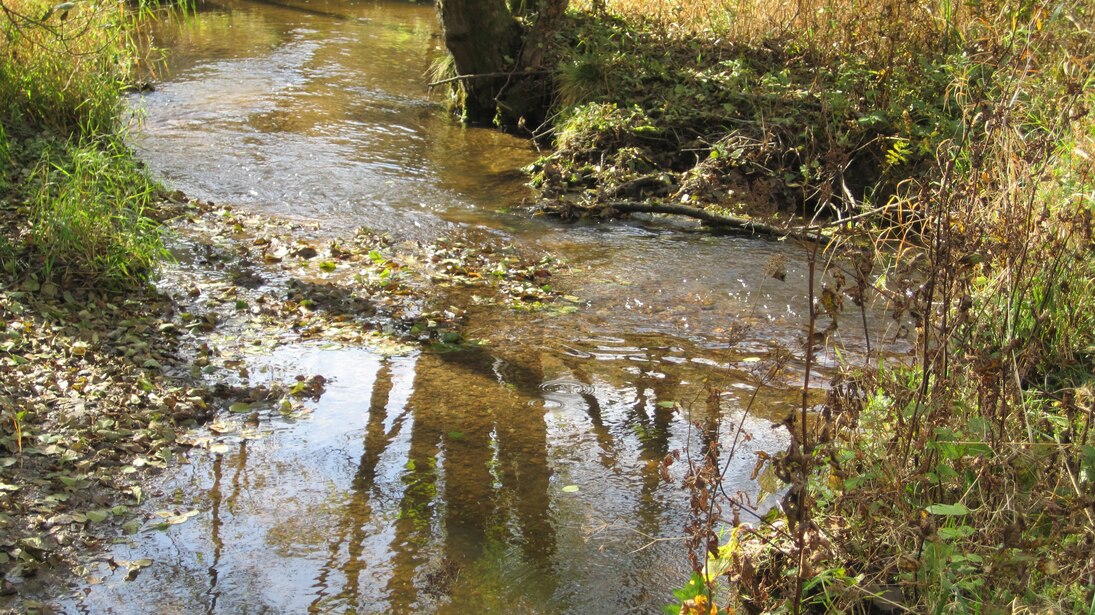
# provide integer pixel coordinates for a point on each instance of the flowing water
(519, 476)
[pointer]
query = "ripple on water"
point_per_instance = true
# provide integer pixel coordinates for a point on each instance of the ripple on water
(566, 386)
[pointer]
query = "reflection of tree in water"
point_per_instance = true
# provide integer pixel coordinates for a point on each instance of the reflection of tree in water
(476, 471)
(215, 533)
(473, 501)
(240, 482)
(475, 409)
(351, 531)
(651, 425)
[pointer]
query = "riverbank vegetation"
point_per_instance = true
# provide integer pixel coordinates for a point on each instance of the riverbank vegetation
(83, 339)
(947, 149)
(74, 198)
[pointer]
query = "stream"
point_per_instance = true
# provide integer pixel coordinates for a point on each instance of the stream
(520, 475)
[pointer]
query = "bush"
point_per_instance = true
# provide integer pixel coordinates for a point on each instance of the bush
(966, 477)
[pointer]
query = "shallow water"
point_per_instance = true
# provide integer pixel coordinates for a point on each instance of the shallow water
(521, 475)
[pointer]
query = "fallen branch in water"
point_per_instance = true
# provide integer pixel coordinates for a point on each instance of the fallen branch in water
(486, 76)
(716, 219)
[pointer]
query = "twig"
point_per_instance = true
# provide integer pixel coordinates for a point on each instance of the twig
(801, 475)
(653, 541)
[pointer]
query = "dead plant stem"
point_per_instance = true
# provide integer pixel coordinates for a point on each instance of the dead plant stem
(801, 472)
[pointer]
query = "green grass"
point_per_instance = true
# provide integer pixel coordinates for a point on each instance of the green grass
(74, 198)
(65, 72)
(88, 212)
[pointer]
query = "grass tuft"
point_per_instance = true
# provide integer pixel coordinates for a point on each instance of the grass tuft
(88, 213)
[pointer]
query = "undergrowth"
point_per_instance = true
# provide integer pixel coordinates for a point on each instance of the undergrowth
(73, 197)
(956, 139)
(705, 119)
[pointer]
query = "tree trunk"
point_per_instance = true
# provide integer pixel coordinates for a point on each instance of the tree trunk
(539, 38)
(484, 38)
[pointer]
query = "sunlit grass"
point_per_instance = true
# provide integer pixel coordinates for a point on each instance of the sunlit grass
(836, 25)
(63, 68)
(88, 212)
(63, 71)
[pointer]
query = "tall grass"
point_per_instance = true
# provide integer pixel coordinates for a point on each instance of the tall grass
(966, 477)
(89, 212)
(833, 24)
(882, 35)
(980, 497)
(63, 71)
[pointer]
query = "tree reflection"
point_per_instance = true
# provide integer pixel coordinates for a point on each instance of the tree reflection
(351, 531)
(475, 474)
(451, 504)
(479, 451)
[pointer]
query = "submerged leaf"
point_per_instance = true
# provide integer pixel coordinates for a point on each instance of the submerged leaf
(171, 518)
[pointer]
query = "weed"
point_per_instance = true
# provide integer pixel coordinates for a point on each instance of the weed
(983, 430)
(443, 70)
